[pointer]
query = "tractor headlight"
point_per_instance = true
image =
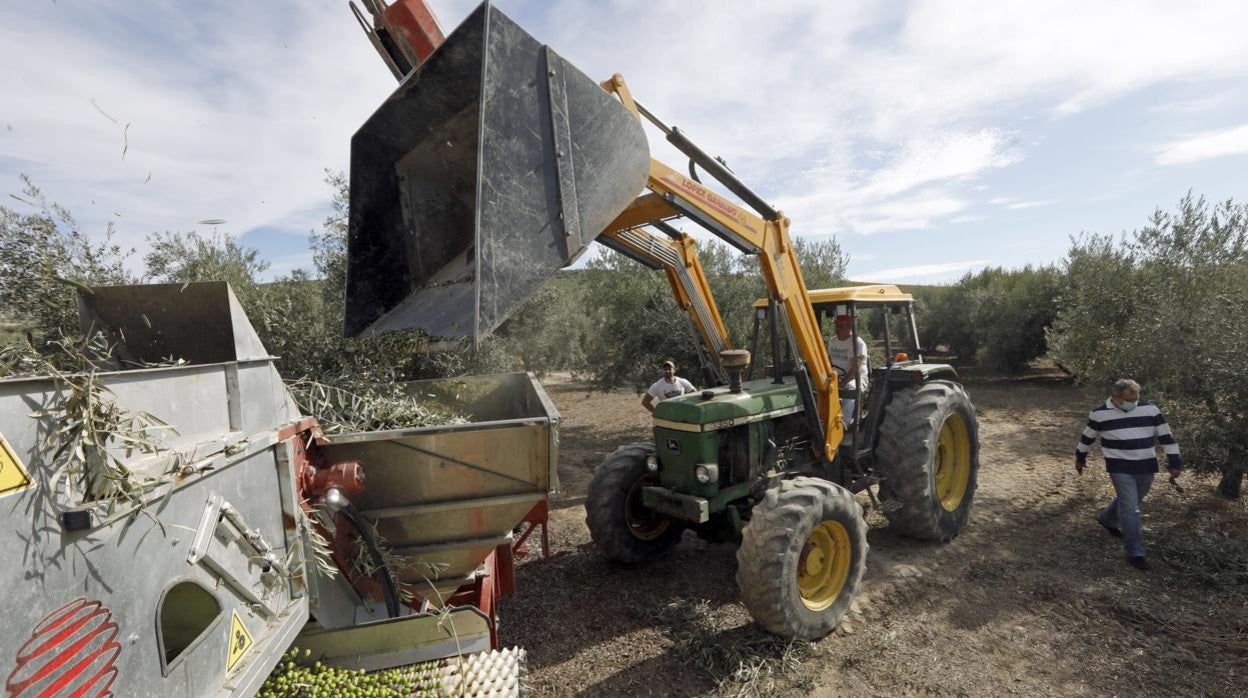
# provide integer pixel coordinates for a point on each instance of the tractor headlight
(706, 473)
(652, 464)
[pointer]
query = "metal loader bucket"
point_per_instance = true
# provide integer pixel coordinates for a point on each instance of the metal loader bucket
(491, 166)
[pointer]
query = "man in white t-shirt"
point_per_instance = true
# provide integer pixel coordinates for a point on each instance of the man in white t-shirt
(669, 386)
(849, 358)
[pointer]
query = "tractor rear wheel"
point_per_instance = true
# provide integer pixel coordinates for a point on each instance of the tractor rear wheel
(618, 523)
(928, 456)
(802, 557)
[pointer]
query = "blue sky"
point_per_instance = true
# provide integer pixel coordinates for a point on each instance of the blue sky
(931, 138)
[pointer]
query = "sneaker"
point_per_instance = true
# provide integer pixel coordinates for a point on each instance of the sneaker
(1116, 533)
(1138, 563)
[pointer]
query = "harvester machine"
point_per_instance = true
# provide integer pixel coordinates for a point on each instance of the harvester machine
(173, 521)
(497, 162)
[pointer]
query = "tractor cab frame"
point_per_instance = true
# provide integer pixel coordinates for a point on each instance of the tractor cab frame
(903, 359)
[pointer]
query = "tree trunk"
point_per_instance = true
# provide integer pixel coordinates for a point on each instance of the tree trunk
(1232, 480)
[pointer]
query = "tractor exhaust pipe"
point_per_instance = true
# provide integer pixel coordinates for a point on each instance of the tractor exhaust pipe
(734, 361)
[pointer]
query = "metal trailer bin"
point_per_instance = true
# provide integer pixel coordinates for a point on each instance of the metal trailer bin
(197, 585)
(452, 502)
(161, 594)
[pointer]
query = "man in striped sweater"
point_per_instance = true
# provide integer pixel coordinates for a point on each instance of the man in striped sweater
(1129, 431)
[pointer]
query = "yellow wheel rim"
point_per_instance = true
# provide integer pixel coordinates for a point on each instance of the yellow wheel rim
(953, 463)
(823, 568)
(643, 523)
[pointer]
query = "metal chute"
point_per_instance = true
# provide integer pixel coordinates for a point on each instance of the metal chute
(493, 165)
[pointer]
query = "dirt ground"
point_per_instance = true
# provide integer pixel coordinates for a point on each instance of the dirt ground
(1032, 599)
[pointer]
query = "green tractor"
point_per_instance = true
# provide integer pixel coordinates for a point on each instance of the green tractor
(734, 464)
(497, 162)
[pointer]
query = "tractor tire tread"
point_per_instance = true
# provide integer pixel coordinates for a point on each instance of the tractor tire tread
(771, 547)
(906, 458)
(604, 514)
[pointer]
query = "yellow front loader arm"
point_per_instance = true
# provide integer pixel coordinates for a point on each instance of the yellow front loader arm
(673, 194)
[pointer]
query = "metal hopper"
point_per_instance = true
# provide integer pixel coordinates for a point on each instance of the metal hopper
(493, 164)
(446, 497)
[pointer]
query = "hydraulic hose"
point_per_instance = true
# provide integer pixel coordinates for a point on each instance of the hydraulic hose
(387, 581)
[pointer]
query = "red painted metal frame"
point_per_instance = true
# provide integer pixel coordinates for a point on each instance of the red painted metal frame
(413, 22)
(537, 516)
(498, 578)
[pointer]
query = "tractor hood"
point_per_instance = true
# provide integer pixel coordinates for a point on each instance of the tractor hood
(758, 400)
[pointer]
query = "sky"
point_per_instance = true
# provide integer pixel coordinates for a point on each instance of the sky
(931, 138)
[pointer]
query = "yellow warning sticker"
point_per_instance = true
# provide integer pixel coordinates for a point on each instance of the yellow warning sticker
(13, 477)
(240, 642)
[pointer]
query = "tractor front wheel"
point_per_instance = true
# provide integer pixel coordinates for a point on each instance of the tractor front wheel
(802, 557)
(619, 524)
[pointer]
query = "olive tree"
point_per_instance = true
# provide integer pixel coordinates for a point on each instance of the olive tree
(1166, 305)
(44, 256)
(636, 324)
(995, 316)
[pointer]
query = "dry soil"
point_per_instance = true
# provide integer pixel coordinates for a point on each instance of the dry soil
(1032, 599)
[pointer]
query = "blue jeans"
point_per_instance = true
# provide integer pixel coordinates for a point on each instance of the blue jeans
(1124, 511)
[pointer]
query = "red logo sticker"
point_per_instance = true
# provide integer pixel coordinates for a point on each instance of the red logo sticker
(70, 653)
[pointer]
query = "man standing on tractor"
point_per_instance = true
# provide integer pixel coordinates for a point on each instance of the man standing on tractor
(1128, 427)
(849, 358)
(669, 386)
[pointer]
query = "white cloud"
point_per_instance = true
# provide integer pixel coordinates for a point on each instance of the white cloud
(965, 219)
(941, 157)
(1193, 105)
(1028, 204)
(852, 117)
(958, 56)
(233, 120)
(1203, 146)
(912, 191)
(907, 214)
(920, 271)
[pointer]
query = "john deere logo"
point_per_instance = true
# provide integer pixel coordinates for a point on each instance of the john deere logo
(673, 445)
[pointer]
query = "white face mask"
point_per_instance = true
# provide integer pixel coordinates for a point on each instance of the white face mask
(1127, 406)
